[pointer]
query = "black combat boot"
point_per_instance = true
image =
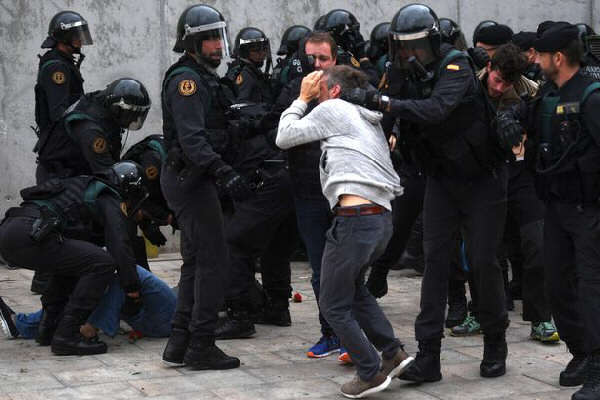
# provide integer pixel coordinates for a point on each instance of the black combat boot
(68, 341)
(40, 282)
(176, 347)
(276, 312)
(574, 373)
(50, 317)
(202, 353)
(495, 351)
(377, 282)
(591, 385)
(426, 367)
(457, 303)
(237, 324)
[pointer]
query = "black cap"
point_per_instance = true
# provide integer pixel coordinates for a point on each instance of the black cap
(495, 35)
(556, 37)
(524, 40)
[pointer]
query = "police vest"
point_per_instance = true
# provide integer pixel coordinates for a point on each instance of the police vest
(568, 160)
(42, 113)
(219, 100)
(72, 200)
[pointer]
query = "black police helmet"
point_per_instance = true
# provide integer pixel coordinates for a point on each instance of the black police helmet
(67, 27)
(482, 24)
(291, 39)
(414, 31)
(378, 41)
(128, 102)
(197, 23)
(320, 24)
(248, 39)
(344, 28)
(127, 177)
(452, 34)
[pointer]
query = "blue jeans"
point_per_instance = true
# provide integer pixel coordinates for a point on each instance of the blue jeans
(314, 219)
(153, 320)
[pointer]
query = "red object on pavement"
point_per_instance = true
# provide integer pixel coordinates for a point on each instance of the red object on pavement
(134, 336)
(297, 297)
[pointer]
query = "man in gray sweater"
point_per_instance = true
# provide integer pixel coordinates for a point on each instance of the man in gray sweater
(359, 181)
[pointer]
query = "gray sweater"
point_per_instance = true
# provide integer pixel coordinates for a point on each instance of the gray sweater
(355, 157)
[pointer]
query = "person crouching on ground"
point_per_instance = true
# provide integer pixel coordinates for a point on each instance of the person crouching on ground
(359, 181)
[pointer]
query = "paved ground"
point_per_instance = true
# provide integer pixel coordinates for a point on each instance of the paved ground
(274, 365)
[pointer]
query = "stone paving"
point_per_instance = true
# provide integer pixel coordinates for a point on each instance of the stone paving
(274, 364)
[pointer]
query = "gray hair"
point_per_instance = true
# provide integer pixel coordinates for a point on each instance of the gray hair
(346, 77)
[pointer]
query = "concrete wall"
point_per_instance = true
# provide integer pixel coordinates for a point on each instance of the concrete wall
(134, 38)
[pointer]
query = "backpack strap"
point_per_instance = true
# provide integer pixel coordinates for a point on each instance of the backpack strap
(592, 87)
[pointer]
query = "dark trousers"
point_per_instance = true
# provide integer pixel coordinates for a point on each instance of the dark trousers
(205, 259)
(314, 219)
(572, 258)
(405, 210)
(263, 225)
(353, 243)
(527, 211)
(478, 209)
(80, 271)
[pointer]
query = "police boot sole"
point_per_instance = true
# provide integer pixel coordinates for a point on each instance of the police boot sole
(173, 363)
(200, 366)
(474, 333)
(66, 350)
(419, 378)
(492, 373)
(571, 382)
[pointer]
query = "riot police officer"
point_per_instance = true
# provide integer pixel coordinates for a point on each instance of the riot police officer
(452, 34)
(465, 187)
(191, 93)
(290, 43)
(591, 63)
(87, 139)
(343, 26)
(377, 50)
(564, 125)
(525, 42)
(150, 153)
(250, 72)
(59, 82)
(49, 232)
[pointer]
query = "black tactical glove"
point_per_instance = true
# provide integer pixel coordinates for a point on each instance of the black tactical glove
(233, 183)
(509, 130)
(479, 56)
(370, 99)
(131, 306)
(153, 234)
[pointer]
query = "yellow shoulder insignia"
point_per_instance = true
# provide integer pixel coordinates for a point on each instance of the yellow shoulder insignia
(99, 145)
(355, 62)
(58, 77)
(239, 80)
(187, 87)
(152, 172)
(453, 67)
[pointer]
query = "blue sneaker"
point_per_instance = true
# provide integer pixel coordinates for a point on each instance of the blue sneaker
(324, 347)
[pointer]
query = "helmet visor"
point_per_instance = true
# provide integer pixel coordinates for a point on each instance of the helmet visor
(130, 116)
(215, 31)
(404, 46)
(77, 31)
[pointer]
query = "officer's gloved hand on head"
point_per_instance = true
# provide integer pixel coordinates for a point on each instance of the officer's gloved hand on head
(132, 305)
(479, 56)
(509, 130)
(370, 99)
(233, 183)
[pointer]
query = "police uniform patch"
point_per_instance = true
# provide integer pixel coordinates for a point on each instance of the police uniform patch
(152, 172)
(355, 62)
(453, 67)
(239, 80)
(99, 145)
(187, 87)
(124, 208)
(58, 77)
